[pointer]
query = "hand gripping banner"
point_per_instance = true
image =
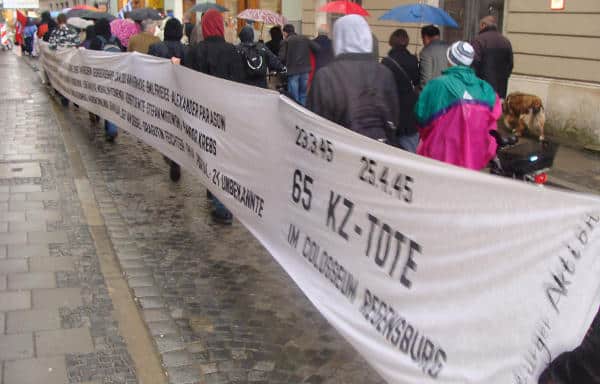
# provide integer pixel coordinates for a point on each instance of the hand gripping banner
(434, 273)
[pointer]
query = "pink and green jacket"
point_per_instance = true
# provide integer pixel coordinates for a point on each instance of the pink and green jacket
(455, 113)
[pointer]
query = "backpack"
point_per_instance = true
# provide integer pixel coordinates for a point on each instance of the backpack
(368, 112)
(255, 63)
(111, 45)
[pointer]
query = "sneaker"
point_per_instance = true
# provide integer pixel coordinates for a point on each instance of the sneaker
(221, 218)
(175, 172)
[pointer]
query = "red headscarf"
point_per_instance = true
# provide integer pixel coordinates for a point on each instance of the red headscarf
(212, 24)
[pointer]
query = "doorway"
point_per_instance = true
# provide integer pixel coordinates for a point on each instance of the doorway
(467, 14)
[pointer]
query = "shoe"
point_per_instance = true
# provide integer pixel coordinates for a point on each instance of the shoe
(175, 172)
(226, 219)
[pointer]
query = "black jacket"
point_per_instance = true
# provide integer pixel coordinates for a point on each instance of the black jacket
(325, 54)
(216, 57)
(493, 59)
(406, 82)
(343, 80)
(168, 49)
(295, 54)
(273, 63)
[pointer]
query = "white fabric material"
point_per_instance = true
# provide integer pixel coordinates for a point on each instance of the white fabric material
(351, 34)
(435, 274)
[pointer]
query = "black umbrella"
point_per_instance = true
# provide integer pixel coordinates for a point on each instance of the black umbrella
(140, 14)
(203, 7)
(90, 15)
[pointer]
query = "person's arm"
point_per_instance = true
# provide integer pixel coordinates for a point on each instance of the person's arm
(511, 59)
(237, 67)
(319, 97)
(52, 44)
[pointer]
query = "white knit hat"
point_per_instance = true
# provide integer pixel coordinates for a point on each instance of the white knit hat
(460, 53)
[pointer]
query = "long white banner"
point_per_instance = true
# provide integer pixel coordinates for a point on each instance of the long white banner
(434, 273)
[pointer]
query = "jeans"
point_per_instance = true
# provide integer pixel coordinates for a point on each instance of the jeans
(409, 142)
(297, 87)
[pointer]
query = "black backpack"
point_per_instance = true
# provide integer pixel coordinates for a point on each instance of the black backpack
(255, 62)
(368, 113)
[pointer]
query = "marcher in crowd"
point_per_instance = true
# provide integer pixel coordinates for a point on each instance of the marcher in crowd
(47, 25)
(455, 113)
(216, 57)
(170, 48)
(257, 59)
(325, 54)
(493, 55)
(29, 33)
(579, 365)
(64, 35)
(295, 55)
(405, 67)
(343, 91)
(276, 38)
(143, 40)
(106, 41)
(433, 56)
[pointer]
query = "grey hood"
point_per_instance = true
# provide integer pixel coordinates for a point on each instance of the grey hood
(351, 34)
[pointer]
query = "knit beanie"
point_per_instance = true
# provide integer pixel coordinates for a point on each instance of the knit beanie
(460, 53)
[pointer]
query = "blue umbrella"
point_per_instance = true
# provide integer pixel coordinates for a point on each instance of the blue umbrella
(420, 13)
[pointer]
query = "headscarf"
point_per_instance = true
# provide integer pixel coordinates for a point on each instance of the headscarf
(173, 30)
(247, 35)
(123, 29)
(212, 24)
(351, 34)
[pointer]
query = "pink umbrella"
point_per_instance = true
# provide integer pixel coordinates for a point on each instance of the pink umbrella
(262, 15)
(123, 29)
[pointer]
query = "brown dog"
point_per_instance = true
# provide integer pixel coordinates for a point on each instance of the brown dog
(521, 111)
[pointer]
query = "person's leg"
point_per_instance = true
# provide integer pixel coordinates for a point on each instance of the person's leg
(175, 171)
(220, 213)
(111, 130)
(293, 87)
(302, 88)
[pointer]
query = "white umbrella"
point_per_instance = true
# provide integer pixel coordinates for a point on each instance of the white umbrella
(79, 23)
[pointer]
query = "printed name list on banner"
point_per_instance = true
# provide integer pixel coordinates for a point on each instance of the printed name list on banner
(435, 274)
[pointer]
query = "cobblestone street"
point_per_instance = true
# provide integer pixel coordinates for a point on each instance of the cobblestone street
(218, 307)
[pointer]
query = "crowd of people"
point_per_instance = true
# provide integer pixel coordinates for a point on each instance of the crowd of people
(441, 105)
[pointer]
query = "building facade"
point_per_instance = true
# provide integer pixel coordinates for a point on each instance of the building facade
(556, 51)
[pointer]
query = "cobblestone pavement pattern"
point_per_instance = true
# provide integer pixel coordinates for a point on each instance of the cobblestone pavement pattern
(56, 324)
(219, 307)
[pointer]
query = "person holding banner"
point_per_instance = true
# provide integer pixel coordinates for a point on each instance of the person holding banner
(171, 48)
(216, 57)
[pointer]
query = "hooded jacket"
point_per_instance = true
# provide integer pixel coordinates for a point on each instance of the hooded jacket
(353, 70)
(246, 45)
(455, 113)
(214, 56)
(171, 46)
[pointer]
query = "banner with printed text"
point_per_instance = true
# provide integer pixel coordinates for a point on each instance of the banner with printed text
(435, 274)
